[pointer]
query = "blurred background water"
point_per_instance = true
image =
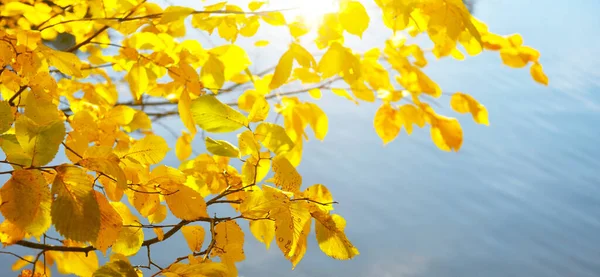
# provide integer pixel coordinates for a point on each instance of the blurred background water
(521, 198)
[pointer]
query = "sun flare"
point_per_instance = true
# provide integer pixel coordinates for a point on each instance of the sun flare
(310, 11)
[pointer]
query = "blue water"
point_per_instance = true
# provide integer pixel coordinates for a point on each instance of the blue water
(521, 198)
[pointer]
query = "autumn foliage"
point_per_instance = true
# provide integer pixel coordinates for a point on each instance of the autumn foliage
(84, 167)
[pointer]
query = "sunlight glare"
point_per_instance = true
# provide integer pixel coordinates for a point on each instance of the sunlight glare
(311, 11)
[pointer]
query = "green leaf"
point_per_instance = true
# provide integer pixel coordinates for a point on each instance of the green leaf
(221, 148)
(215, 117)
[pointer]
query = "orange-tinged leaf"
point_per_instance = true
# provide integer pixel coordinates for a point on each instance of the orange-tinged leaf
(110, 224)
(185, 112)
(186, 203)
(538, 74)
(286, 175)
(159, 215)
(32, 215)
(160, 234)
(194, 236)
(183, 146)
(464, 103)
(229, 241)
(75, 211)
(446, 133)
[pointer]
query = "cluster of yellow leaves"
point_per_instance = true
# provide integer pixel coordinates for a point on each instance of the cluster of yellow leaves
(57, 105)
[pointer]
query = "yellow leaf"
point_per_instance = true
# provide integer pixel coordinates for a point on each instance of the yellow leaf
(215, 117)
(110, 224)
(183, 146)
(263, 231)
(248, 144)
(117, 268)
(253, 171)
(298, 29)
(102, 159)
(7, 53)
(332, 61)
(387, 123)
(75, 211)
(19, 263)
(321, 194)
(6, 117)
(307, 76)
(140, 121)
(160, 234)
(121, 115)
(149, 150)
(464, 103)
(446, 133)
(410, 115)
(32, 215)
(260, 110)
(538, 74)
(302, 56)
(354, 17)
(286, 175)
(331, 238)
(208, 269)
(79, 264)
(343, 93)
(255, 5)
(130, 238)
(213, 73)
(194, 236)
(362, 92)
(174, 13)
(229, 241)
(159, 215)
(234, 59)
(138, 80)
(221, 148)
(145, 201)
(290, 221)
(317, 119)
(10, 233)
(274, 138)
(274, 18)
(283, 70)
(315, 93)
(65, 62)
(185, 112)
(40, 142)
(186, 203)
(261, 43)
